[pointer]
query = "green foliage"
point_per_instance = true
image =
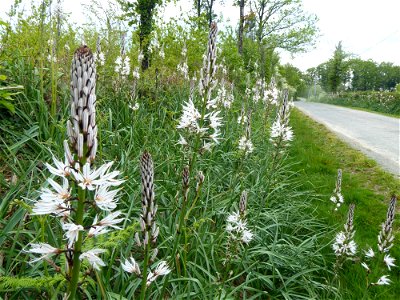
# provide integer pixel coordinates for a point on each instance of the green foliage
(7, 92)
(384, 102)
(40, 283)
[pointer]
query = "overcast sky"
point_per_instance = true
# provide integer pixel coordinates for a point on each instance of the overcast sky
(369, 29)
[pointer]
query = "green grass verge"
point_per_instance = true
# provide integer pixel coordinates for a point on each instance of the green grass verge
(317, 154)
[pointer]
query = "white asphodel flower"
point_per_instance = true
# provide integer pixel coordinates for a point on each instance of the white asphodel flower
(365, 266)
(161, 270)
(245, 144)
(247, 236)
(189, 117)
(42, 248)
(343, 245)
(104, 198)
(182, 141)
(53, 202)
(370, 253)
(95, 261)
(237, 228)
(100, 227)
(61, 194)
(61, 169)
(242, 119)
(215, 121)
(72, 232)
(88, 179)
(134, 107)
(281, 130)
(136, 73)
(111, 220)
(131, 266)
(384, 280)
(389, 261)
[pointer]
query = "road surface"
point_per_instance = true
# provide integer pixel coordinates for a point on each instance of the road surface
(375, 135)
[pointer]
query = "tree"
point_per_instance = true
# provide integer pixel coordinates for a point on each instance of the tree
(294, 78)
(337, 68)
(241, 4)
(145, 9)
(282, 24)
(207, 6)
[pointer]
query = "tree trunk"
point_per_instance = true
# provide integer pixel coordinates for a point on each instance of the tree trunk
(198, 7)
(210, 12)
(145, 27)
(241, 25)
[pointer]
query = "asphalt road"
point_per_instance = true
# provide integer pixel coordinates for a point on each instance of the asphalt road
(375, 135)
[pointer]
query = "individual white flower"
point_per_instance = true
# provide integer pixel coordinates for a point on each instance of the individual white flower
(111, 220)
(93, 259)
(88, 179)
(215, 137)
(365, 266)
(183, 68)
(161, 270)
(233, 218)
(182, 141)
(67, 48)
(100, 227)
(207, 146)
(384, 280)
(100, 59)
(53, 202)
(389, 261)
(189, 117)
(136, 73)
(370, 253)
(72, 232)
(104, 198)
(245, 144)
(122, 66)
(340, 198)
(162, 53)
(134, 107)
(352, 248)
(242, 119)
(61, 169)
(131, 266)
(61, 194)
(41, 248)
(215, 121)
(247, 236)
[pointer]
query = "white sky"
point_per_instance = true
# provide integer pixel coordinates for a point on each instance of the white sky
(369, 29)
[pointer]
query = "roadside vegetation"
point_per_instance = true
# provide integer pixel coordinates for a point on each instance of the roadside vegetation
(161, 163)
(353, 82)
(316, 156)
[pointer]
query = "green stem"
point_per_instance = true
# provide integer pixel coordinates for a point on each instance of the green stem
(145, 267)
(73, 286)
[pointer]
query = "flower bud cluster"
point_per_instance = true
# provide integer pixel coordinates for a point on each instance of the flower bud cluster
(183, 67)
(337, 197)
(245, 143)
(148, 226)
(386, 236)
(81, 128)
